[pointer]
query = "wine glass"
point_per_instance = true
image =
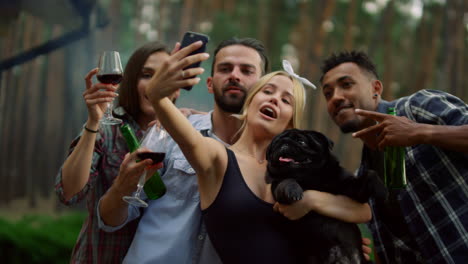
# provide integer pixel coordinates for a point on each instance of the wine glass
(155, 140)
(110, 72)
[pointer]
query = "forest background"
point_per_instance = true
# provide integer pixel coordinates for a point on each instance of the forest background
(47, 47)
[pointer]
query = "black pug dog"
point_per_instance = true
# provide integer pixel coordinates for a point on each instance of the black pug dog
(301, 160)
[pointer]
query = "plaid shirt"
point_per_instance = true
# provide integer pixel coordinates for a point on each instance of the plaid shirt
(94, 245)
(432, 225)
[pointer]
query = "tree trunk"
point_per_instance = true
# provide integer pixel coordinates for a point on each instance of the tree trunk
(186, 19)
(457, 47)
(9, 93)
(230, 6)
(300, 37)
(319, 120)
(350, 24)
(431, 47)
(54, 108)
(387, 79)
(262, 22)
(163, 18)
(32, 139)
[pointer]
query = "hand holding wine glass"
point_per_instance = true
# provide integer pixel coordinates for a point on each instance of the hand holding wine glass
(110, 72)
(155, 140)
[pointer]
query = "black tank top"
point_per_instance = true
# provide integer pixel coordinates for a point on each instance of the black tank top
(245, 229)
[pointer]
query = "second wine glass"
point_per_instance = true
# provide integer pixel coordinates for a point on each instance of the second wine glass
(155, 140)
(110, 72)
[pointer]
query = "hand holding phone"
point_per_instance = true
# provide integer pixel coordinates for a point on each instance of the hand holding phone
(189, 38)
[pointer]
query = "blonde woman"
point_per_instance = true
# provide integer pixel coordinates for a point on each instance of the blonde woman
(237, 203)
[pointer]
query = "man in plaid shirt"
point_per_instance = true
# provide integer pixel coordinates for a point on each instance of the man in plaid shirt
(427, 221)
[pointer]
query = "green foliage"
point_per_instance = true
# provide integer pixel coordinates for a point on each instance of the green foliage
(39, 238)
(224, 28)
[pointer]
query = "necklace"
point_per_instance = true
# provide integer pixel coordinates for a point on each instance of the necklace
(250, 155)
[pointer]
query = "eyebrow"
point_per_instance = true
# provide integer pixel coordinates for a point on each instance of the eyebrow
(344, 78)
(339, 80)
(147, 69)
(276, 87)
(229, 64)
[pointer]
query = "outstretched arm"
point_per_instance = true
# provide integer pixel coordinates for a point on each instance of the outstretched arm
(206, 155)
(331, 205)
(400, 131)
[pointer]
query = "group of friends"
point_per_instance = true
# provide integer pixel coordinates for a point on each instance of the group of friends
(218, 207)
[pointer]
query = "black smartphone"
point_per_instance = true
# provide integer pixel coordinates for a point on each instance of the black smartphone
(189, 38)
(155, 156)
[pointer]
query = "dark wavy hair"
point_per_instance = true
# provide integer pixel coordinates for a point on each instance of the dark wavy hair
(128, 92)
(358, 57)
(247, 42)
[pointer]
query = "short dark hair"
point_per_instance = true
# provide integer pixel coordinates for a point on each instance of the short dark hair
(128, 92)
(247, 42)
(358, 57)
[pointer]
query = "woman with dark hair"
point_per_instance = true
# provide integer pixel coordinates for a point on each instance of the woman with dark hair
(96, 154)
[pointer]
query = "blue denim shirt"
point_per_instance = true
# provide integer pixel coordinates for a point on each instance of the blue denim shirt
(171, 229)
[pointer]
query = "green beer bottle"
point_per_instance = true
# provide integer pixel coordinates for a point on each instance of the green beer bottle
(394, 164)
(154, 186)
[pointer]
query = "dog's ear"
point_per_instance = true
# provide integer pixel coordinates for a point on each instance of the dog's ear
(323, 139)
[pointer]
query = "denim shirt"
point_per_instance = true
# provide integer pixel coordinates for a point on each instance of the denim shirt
(171, 228)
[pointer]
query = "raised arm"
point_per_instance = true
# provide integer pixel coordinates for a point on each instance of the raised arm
(204, 154)
(76, 169)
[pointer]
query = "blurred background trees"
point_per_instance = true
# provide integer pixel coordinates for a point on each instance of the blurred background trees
(46, 48)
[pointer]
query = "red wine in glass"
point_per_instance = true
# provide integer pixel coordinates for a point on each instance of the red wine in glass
(110, 72)
(109, 78)
(155, 156)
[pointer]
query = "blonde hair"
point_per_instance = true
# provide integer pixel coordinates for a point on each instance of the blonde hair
(299, 99)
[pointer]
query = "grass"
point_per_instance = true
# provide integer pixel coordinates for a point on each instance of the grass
(39, 238)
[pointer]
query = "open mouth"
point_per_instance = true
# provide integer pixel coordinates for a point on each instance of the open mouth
(268, 111)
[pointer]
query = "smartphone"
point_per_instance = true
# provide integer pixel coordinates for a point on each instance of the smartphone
(189, 38)
(155, 156)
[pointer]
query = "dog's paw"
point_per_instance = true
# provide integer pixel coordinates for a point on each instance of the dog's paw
(288, 191)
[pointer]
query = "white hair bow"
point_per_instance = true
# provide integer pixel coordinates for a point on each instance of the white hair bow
(288, 68)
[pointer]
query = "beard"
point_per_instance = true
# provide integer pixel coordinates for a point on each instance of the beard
(350, 126)
(230, 103)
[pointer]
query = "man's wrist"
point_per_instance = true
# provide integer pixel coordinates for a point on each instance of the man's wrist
(424, 134)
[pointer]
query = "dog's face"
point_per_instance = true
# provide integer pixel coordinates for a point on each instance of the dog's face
(295, 151)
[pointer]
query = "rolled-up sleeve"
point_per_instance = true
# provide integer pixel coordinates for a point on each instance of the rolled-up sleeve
(133, 213)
